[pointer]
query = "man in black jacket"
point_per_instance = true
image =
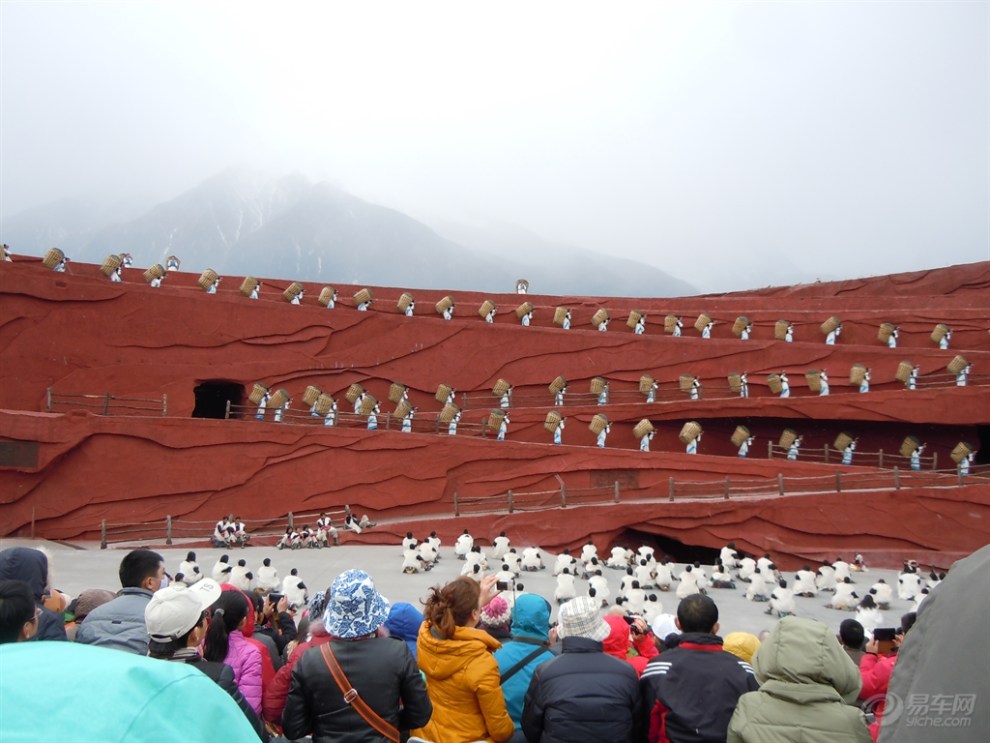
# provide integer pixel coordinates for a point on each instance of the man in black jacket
(690, 692)
(583, 694)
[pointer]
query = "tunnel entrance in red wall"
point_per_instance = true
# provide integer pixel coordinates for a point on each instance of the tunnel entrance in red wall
(667, 546)
(212, 396)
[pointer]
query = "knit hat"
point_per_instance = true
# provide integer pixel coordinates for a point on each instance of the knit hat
(580, 617)
(496, 614)
(354, 607)
(176, 609)
(89, 600)
(743, 645)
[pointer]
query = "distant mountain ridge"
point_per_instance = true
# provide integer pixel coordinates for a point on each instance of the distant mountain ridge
(243, 222)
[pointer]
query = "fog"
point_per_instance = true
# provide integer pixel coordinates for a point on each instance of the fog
(732, 144)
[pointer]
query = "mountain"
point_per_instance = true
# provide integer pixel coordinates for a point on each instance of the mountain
(243, 222)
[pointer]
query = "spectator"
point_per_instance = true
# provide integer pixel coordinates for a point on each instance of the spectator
(876, 671)
(19, 614)
(526, 649)
(583, 694)
(807, 689)
(691, 691)
(225, 643)
(852, 636)
(391, 696)
(630, 639)
(404, 621)
(743, 645)
(81, 607)
(461, 674)
(496, 618)
(120, 623)
(31, 566)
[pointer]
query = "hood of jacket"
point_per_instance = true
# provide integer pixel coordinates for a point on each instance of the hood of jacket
(806, 652)
(26, 564)
(531, 617)
(617, 642)
(442, 658)
(404, 621)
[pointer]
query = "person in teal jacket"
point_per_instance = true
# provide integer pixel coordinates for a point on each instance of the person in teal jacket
(100, 694)
(530, 627)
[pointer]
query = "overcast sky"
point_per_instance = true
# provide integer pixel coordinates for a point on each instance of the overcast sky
(717, 140)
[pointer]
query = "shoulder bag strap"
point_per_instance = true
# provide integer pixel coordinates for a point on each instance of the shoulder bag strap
(354, 699)
(521, 664)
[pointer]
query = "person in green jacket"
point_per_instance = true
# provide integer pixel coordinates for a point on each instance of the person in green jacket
(808, 686)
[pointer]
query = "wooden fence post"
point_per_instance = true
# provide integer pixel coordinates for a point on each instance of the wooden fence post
(457, 510)
(880, 459)
(897, 478)
(838, 482)
(935, 460)
(165, 405)
(769, 449)
(106, 404)
(726, 487)
(780, 483)
(103, 534)
(291, 525)
(670, 488)
(509, 494)
(826, 453)
(168, 529)
(616, 491)
(48, 396)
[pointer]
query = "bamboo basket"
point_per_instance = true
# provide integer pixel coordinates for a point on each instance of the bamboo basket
(248, 285)
(353, 392)
(957, 364)
(735, 381)
(552, 421)
(395, 391)
(405, 299)
(311, 394)
(403, 409)
(960, 452)
(598, 423)
(842, 441)
(909, 444)
(829, 325)
(448, 413)
(292, 291)
(323, 403)
(788, 437)
(903, 373)
(443, 304)
(740, 325)
(686, 382)
(773, 382)
(368, 404)
(780, 329)
(885, 331)
(443, 392)
(633, 319)
(669, 323)
(940, 330)
(643, 428)
(559, 314)
(154, 272)
(557, 385)
(363, 296)
(53, 257)
(597, 385)
(495, 419)
(814, 378)
(500, 388)
(524, 309)
(207, 278)
(856, 374)
(599, 317)
(646, 384)
(486, 307)
(110, 264)
(257, 392)
(689, 432)
(279, 398)
(703, 319)
(739, 435)
(326, 294)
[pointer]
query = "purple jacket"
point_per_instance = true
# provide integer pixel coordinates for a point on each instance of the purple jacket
(245, 658)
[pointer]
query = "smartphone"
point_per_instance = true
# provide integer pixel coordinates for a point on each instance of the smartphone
(503, 585)
(885, 639)
(274, 598)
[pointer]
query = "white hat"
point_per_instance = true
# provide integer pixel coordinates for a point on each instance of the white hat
(176, 609)
(580, 617)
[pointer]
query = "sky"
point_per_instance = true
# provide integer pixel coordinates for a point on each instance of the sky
(734, 144)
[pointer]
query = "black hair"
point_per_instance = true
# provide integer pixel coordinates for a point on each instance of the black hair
(16, 607)
(165, 650)
(697, 613)
(228, 612)
(907, 622)
(852, 634)
(138, 565)
(190, 556)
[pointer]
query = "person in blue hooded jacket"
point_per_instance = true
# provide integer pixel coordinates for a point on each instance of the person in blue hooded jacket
(403, 622)
(31, 566)
(528, 646)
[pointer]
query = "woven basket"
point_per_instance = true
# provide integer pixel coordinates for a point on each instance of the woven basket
(311, 394)
(207, 278)
(787, 438)
(53, 257)
(257, 392)
(689, 432)
(669, 323)
(495, 419)
(326, 294)
(524, 309)
(685, 382)
(885, 331)
(957, 364)
(443, 304)
(643, 428)
(842, 441)
(557, 385)
(703, 319)
(292, 291)
(403, 409)
(154, 272)
(248, 285)
(903, 373)
(780, 329)
(735, 381)
(599, 317)
(448, 413)
(739, 435)
(110, 264)
(646, 384)
(633, 318)
(368, 404)
(323, 403)
(856, 374)
(363, 296)
(353, 392)
(598, 423)
(405, 299)
(739, 325)
(909, 444)
(829, 325)
(559, 314)
(443, 392)
(279, 398)
(486, 307)
(395, 391)
(814, 378)
(552, 421)
(960, 452)
(500, 388)
(940, 330)
(597, 385)
(773, 382)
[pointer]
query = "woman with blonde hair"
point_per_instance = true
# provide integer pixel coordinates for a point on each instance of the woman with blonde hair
(462, 676)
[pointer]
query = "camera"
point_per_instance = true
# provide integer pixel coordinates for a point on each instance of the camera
(503, 585)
